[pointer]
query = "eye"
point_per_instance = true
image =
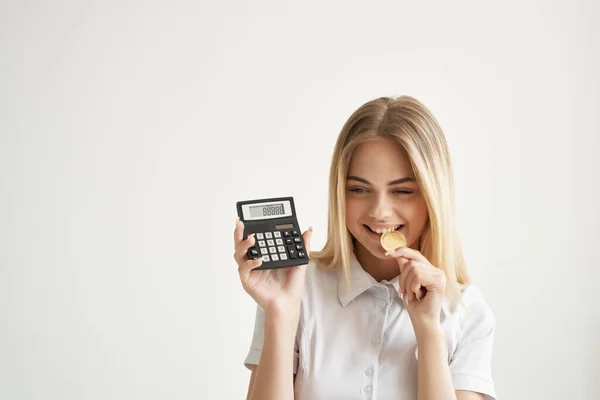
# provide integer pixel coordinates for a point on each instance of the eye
(402, 192)
(358, 190)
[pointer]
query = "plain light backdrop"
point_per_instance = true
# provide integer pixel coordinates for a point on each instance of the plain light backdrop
(128, 131)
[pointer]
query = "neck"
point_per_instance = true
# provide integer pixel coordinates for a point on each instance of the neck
(379, 269)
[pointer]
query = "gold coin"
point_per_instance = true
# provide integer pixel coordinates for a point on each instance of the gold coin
(392, 240)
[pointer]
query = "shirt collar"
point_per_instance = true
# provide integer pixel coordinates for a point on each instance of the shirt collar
(361, 281)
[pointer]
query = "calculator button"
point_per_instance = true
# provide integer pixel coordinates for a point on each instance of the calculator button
(275, 257)
(271, 242)
(288, 241)
(277, 234)
(283, 256)
(281, 249)
(279, 242)
(252, 252)
(268, 235)
(287, 234)
(293, 254)
(266, 259)
(299, 247)
(301, 254)
(261, 243)
(264, 251)
(295, 233)
(297, 240)
(260, 236)
(272, 250)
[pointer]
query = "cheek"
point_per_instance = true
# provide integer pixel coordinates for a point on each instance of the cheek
(353, 211)
(417, 213)
(350, 210)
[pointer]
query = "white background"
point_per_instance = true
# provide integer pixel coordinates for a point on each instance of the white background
(128, 131)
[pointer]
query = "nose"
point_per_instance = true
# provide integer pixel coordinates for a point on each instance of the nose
(381, 208)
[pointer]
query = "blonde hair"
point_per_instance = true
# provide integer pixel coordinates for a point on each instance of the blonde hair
(409, 123)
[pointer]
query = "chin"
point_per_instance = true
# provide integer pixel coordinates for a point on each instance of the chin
(376, 251)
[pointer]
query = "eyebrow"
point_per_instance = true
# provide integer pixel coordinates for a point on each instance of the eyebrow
(394, 182)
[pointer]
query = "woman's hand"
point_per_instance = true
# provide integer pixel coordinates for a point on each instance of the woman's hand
(422, 286)
(277, 291)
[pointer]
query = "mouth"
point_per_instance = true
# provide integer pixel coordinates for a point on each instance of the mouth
(381, 231)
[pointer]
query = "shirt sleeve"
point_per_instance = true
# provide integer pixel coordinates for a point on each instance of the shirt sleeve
(258, 338)
(470, 365)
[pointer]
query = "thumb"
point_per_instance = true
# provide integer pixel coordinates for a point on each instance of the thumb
(306, 236)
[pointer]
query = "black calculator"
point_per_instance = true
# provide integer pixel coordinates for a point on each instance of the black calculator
(278, 236)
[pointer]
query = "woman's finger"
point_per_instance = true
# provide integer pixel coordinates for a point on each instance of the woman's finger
(429, 279)
(423, 273)
(403, 273)
(241, 250)
(406, 266)
(409, 253)
(306, 236)
(238, 233)
(246, 267)
(414, 285)
(411, 272)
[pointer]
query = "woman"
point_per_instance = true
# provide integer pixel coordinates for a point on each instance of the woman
(358, 322)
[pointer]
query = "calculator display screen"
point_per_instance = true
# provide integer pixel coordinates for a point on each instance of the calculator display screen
(267, 210)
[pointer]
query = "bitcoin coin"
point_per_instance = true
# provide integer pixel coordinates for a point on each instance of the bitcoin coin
(392, 240)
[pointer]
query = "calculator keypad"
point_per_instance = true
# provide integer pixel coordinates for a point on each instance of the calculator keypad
(271, 246)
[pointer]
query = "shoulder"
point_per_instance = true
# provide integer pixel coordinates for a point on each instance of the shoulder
(471, 295)
(321, 283)
(475, 312)
(317, 273)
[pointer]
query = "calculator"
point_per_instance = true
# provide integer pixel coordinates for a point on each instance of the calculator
(279, 241)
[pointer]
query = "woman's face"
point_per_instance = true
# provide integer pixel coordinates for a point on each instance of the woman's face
(381, 192)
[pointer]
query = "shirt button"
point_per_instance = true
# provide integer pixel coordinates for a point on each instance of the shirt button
(375, 340)
(381, 304)
(369, 371)
(368, 389)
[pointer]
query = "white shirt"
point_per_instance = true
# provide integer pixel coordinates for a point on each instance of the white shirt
(360, 343)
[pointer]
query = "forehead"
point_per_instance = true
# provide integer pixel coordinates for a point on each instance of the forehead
(380, 159)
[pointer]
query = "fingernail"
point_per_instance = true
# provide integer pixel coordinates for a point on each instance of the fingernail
(310, 229)
(390, 252)
(237, 220)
